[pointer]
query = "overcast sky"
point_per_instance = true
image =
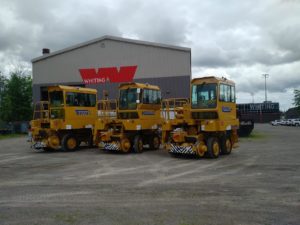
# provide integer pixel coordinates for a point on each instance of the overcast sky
(237, 39)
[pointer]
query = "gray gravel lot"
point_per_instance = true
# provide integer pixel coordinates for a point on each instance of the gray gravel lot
(259, 183)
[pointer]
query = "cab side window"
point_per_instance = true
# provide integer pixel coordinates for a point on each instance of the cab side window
(232, 93)
(80, 99)
(146, 96)
(227, 93)
(151, 96)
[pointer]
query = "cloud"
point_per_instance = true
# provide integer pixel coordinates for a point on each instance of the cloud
(237, 39)
(247, 35)
(37, 24)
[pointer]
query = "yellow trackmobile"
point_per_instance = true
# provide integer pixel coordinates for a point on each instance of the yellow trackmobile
(137, 122)
(66, 120)
(205, 124)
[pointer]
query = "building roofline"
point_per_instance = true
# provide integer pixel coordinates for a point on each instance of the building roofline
(113, 38)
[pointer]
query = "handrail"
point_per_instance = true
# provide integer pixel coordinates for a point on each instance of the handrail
(107, 108)
(172, 107)
(41, 110)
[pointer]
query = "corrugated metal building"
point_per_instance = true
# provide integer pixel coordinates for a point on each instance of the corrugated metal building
(104, 62)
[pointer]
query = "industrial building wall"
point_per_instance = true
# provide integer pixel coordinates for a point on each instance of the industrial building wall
(151, 61)
(166, 67)
(176, 87)
(171, 87)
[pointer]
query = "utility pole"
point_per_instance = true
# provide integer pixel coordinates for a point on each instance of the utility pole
(265, 75)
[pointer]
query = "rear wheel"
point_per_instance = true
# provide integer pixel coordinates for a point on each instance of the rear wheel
(138, 144)
(226, 145)
(213, 148)
(154, 142)
(69, 143)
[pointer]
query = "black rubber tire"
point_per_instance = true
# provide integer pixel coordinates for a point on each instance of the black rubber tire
(64, 142)
(210, 144)
(151, 143)
(224, 148)
(137, 144)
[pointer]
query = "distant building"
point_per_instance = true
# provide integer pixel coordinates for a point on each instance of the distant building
(260, 112)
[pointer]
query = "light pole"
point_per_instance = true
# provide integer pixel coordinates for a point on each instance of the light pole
(265, 75)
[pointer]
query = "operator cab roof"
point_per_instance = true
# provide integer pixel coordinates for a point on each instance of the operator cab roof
(212, 79)
(72, 88)
(138, 85)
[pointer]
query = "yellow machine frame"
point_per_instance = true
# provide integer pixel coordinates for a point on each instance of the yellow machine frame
(65, 121)
(135, 125)
(209, 130)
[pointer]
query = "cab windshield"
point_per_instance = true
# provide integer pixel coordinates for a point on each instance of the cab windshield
(56, 105)
(204, 96)
(56, 98)
(128, 98)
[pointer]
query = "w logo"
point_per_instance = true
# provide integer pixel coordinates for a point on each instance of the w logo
(108, 74)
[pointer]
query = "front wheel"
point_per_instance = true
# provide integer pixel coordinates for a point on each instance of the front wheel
(69, 143)
(213, 148)
(138, 144)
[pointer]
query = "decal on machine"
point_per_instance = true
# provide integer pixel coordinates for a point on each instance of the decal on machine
(82, 112)
(226, 109)
(148, 113)
(108, 74)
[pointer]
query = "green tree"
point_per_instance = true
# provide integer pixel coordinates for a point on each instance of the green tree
(297, 98)
(16, 98)
(3, 83)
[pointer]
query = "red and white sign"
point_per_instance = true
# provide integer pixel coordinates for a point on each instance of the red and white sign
(108, 74)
